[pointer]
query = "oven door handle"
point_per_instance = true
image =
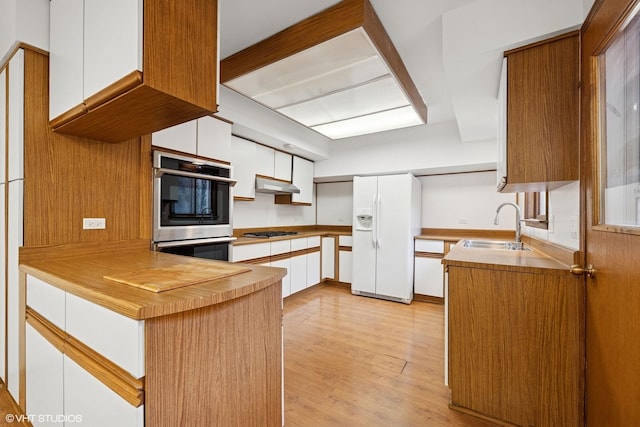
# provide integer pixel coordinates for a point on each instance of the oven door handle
(194, 242)
(158, 172)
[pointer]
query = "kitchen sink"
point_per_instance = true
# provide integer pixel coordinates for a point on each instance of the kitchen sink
(495, 244)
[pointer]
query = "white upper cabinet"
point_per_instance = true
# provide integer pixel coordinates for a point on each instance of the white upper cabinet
(243, 160)
(93, 44)
(116, 73)
(112, 42)
(16, 116)
(205, 137)
(302, 178)
(282, 163)
(3, 123)
(264, 160)
(182, 137)
(66, 56)
(214, 138)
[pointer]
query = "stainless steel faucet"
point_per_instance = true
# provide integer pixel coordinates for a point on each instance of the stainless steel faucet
(518, 219)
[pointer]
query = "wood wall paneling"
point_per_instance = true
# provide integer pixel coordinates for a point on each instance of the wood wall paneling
(68, 178)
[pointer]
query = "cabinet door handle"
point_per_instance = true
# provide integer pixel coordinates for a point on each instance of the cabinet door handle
(579, 270)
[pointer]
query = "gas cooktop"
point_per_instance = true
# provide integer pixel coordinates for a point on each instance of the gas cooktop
(267, 234)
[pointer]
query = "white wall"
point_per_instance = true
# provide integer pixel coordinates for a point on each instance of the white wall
(447, 200)
(421, 149)
(25, 21)
(465, 201)
(263, 212)
(335, 203)
(564, 218)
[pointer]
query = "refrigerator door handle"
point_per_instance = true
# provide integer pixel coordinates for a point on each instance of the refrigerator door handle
(374, 220)
(378, 210)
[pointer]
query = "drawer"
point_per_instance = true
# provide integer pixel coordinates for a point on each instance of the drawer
(47, 300)
(245, 252)
(345, 240)
(313, 242)
(298, 244)
(433, 246)
(117, 337)
(280, 247)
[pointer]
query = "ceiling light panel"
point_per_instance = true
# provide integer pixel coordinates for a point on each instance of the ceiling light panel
(352, 102)
(377, 122)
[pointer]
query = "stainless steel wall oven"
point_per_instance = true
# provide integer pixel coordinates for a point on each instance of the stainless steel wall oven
(192, 206)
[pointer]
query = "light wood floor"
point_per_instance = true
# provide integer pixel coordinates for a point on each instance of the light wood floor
(357, 361)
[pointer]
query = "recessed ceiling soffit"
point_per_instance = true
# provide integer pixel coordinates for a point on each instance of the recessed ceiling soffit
(336, 72)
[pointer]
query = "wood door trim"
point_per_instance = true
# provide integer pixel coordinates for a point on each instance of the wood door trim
(108, 373)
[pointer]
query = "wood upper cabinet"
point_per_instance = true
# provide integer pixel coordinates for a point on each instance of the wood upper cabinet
(117, 73)
(541, 147)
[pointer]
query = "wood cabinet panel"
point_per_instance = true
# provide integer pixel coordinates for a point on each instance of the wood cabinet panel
(233, 378)
(542, 114)
(516, 345)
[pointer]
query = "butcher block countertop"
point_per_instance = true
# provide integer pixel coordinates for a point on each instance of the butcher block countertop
(84, 270)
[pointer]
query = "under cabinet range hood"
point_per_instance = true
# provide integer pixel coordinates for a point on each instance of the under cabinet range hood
(336, 72)
(274, 186)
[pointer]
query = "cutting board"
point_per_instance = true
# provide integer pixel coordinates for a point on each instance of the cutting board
(160, 279)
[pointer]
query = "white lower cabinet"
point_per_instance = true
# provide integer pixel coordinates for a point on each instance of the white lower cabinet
(92, 402)
(281, 248)
(344, 266)
(286, 280)
(3, 282)
(58, 390)
(429, 277)
(328, 258)
(313, 268)
(303, 268)
(298, 273)
(14, 239)
(344, 258)
(45, 380)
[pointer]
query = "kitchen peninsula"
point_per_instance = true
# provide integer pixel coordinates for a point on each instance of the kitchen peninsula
(205, 354)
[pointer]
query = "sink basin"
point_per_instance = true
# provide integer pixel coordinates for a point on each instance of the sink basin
(495, 244)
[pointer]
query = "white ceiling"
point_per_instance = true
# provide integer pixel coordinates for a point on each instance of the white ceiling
(451, 48)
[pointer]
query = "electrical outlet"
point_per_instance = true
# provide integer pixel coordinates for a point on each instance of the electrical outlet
(94, 223)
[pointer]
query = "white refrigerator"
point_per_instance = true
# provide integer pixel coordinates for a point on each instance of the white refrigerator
(386, 217)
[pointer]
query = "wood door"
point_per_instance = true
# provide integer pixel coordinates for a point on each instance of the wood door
(611, 241)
